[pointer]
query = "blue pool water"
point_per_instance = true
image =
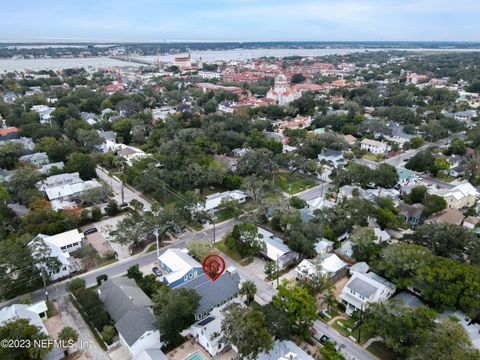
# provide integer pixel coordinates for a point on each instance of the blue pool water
(196, 356)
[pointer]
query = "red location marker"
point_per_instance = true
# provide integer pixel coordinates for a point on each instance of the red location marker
(213, 266)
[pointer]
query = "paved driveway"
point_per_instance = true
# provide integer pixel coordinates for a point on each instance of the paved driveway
(122, 250)
(71, 317)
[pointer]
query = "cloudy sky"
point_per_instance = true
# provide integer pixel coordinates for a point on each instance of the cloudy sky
(238, 20)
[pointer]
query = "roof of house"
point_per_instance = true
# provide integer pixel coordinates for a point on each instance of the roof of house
(179, 262)
(274, 247)
(214, 293)
(414, 210)
(450, 216)
(152, 354)
(329, 153)
(65, 238)
(135, 322)
(461, 190)
(213, 201)
(29, 312)
(285, 350)
(367, 284)
(374, 143)
(120, 295)
(322, 245)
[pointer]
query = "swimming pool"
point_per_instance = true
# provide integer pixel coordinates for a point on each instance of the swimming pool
(196, 356)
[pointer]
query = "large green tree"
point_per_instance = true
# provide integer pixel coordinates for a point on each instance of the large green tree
(21, 329)
(299, 306)
(246, 329)
(174, 311)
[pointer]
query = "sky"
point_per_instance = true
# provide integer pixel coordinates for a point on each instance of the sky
(239, 20)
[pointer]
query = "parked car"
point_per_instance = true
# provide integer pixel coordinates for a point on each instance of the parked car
(90, 231)
(324, 339)
(156, 271)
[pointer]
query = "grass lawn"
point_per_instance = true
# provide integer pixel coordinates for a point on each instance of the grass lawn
(220, 245)
(293, 184)
(370, 157)
(446, 178)
(380, 350)
(225, 214)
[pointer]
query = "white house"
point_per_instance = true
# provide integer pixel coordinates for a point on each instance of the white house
(328, 264)
(364, 288)
(461, 196)
(323, 246)
(44, 112)
(37, 159)
(285, 350)
(212, 202)
(67, 264)
(276, 250)
(45, 169)
(208, 331)
(130, 153)
(333, 157)
(319, 203)
(35, 314)
(374, 147)
(67, 241)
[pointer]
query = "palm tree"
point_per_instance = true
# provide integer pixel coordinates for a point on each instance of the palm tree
(249, 289)
(329, 299)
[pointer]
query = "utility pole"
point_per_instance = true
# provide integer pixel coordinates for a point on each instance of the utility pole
(213, 232)
(42, 274)
(121, 178)
(276, 270)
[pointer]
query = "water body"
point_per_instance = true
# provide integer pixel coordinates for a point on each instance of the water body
(7, 65)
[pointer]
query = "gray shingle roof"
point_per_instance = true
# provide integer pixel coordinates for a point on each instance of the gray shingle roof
(361, 287)
(213, 293)
(135, 323)
(121, 294)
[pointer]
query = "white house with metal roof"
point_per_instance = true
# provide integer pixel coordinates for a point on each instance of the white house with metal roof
(461, 196)
(179, 267)
(328, 264)
(285, 350)
(67, 263)
(212, 202)
(364, 288)
(208, 331)
(276, 250)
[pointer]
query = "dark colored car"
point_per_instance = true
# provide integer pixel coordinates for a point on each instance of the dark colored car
(90, 231)
(324, 339)
(156, 271)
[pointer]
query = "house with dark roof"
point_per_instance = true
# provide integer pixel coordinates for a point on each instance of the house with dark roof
(131, 310)
(411, 213)
(214, 293)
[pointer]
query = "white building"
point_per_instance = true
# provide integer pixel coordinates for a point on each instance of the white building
(461, 196)
(208, 331)
(44, 112)
(276, 250)
(328, 264)
(365, 288)
(282, 92)
(67, 241)
(285, 350)
(333, 157)
(212, 202)
(67, 264)
(130, 153)
(374, 147)
(37, 159)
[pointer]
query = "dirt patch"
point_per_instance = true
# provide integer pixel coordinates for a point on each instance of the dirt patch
(99, 243)
(54, 325)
